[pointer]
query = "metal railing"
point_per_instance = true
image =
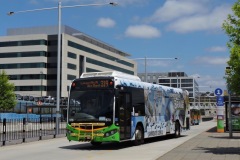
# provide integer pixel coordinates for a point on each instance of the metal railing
(28, 128)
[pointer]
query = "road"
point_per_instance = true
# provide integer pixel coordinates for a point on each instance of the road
(61, 149)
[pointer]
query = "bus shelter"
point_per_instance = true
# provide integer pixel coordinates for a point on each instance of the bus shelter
(234, 111)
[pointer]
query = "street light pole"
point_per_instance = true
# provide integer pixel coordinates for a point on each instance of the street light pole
(58, 67)
(59, 45)
(145, 69)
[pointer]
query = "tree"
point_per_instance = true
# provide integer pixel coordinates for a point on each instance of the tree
(7, 96)
(232, 28)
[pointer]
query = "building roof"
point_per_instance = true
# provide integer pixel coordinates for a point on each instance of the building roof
(52, 30)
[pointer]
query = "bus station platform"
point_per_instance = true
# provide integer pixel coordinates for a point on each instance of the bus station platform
(207, 145)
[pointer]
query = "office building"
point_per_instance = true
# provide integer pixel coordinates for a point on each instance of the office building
(151, 77)
(174, 79)
(29, 56)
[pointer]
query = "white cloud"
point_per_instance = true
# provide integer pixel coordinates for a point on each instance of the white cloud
(106, 22)
(217, 49)
(142, 31)
(210, 83)
(175, 9)
(211, 21)
(211, 60)
(195, 76)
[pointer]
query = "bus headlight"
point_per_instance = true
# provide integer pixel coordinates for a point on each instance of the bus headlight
(110, 133)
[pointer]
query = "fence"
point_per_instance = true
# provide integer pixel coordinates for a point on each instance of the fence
(15, 130)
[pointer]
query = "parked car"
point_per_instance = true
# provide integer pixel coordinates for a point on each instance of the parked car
(26, 98)
(18, 97)
(31, 98)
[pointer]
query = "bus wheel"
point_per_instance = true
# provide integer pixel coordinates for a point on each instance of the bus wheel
(177, 130)
(139, 137)
(96, 143)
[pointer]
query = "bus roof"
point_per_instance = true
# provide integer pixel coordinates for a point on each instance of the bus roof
(111, 74)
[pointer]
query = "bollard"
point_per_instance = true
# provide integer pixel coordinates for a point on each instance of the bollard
(24, 129)
(4, 131)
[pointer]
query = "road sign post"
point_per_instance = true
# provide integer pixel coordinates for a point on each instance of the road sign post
(220, 109)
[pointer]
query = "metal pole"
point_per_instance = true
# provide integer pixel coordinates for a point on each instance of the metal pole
(177, 80)
(41, 82)
(229, 115)
(58, 67)
(145, 69)
(194, 92)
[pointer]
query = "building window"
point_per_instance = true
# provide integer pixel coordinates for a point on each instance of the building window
(91, 70)
(72, 55)
(173, 80)
(71, 77)
(100, 54)
(23, 54)
(187, 85)
(30, 88)
(112, 67)
(164, 81)
(27, 77)
(23, 43)
(71, 66)
(187, 81)
(22, 65)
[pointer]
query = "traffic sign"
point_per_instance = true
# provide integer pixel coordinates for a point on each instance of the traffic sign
(218, 92)
(220, 101)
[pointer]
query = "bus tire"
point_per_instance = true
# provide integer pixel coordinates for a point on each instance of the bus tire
(96, 143)
(139, 137)
(177, 130)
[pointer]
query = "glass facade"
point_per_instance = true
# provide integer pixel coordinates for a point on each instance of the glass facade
(164, 81)
(23, 54)
(27, 77)
(30, 88)
(97, 53)
(72, 55)
(106, 65)
(91, 70)
(71, 77)
(23, 43)
(71, 66)
(23, 65)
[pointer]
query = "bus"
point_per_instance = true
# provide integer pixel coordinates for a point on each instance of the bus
(115, 107)
(195, 115)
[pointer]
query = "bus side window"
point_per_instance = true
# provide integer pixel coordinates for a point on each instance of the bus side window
(138, 101)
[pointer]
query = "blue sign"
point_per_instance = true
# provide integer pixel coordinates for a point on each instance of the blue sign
(218, 92)
(220, 101)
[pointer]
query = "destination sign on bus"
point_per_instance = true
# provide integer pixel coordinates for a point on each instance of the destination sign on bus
(94, 83)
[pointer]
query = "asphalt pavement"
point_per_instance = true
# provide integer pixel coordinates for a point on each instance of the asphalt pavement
(207, 145)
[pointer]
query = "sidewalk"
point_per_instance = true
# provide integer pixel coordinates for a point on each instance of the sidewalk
(208, 145)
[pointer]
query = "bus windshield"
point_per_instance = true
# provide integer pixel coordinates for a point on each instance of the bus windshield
(91, 105)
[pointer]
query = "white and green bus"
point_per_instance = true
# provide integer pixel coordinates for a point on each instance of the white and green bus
(116, 107)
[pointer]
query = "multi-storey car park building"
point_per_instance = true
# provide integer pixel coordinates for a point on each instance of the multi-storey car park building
(173, 79)
(29, 56)
(205, 101)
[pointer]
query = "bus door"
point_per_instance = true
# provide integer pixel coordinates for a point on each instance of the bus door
(125, 109)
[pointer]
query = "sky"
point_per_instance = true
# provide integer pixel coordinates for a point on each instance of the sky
(190, 30)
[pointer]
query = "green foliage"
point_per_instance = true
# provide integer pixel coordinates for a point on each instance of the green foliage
(7, 96)
(231, 26)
